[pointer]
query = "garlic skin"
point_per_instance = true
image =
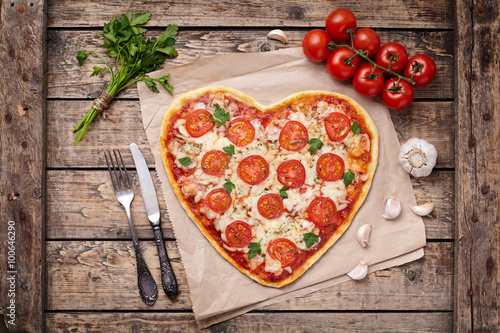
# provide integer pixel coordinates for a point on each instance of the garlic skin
(392, 208)
(278, 34)
(417, 157)
(423, 210)
(363, 235)
(359, 272)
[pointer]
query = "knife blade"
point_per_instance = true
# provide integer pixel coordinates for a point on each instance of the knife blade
(150, 199)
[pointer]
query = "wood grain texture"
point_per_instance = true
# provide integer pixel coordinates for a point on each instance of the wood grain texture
(252, 322)
(402, 14)
(82, 205)
(123, 125)
(477, 296)
(68, 80)
(89, 275)
(22, 162)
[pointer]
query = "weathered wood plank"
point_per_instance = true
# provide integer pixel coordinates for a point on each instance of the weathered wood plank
(402, 14)
(22, 162)
(82, 205)
(252, 322)
(123, 124)
(68, 80)
(477, 295)
(86, 271)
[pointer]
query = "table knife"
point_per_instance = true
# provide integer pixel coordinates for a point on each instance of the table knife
(150, 199)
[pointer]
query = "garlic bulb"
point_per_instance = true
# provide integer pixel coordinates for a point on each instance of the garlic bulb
(278, 34)
(363, 235)
(359, 272)
(417, 157)
(424, 209)
(392, 208)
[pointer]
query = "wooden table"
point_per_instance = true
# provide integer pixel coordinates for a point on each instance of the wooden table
(74, 267)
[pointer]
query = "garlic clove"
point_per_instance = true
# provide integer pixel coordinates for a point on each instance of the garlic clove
(424, 209)
(363, 235)
(417, 157)
(392, 208)
(359, 272)
(278, 34)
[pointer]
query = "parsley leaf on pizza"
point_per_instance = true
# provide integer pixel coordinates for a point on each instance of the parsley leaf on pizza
(310, 238)
(221, 116)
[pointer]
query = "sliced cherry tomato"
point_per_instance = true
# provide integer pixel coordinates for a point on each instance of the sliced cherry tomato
(253, 169)
(291, 173)
(342, 63)
(420, 68)
(283, 250)
(240, 131)
(293, 136)
(270, 206)
(238, 234)
(218, 200)
(215, 163)
(199, 122)
(397, 96)
(367, 82)
(315, 45)
(330, 167)
(367, 39)
(392, 53)
(337, 126)
(322, 211)
(338, 22)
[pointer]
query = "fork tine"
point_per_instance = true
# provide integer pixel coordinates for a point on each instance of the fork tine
(115, 185)
(119, 173)
(126, 178)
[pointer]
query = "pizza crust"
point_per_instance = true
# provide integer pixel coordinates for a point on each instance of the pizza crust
(178, 104)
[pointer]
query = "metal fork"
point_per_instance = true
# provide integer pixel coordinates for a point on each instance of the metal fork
(125, 194)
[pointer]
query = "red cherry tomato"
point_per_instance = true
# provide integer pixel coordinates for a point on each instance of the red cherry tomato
(240, 131)
(238, 234)
(315, 45)
(270, 206)
(393, 53)
(397, 97)
(368, 83)
(342, 63)
(215, 162)
(338, 22)
(322, 211)
(367, 39)
(422, 68)
(330, 167)
(199, 122)
(293, 136)
(337, 126)
(291, 173)
(283, 250)
(218, 200)
(253, 169)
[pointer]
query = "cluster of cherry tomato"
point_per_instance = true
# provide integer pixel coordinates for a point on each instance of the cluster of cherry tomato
(362, 47)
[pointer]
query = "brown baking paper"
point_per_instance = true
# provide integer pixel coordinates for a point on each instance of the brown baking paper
(218, 290)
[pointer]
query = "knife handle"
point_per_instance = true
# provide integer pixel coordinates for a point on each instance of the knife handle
(147, 285)
(168, 280)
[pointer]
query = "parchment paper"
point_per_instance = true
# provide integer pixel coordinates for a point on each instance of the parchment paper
(218, 290)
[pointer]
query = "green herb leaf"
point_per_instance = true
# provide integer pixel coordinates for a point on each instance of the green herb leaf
(163, 81)
(310, 238)
(253, 249)
(169, 36)
(221, 116)
(169, 50)
(97, 71)
(283, 193)
(229, 187)
(140, 18)
(151, 84)
(81, 57)
(348, 177)
(185, 161)
(355, 128)
(229, 150)
(315, 145)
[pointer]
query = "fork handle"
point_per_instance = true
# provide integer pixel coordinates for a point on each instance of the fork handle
(168, 280)
(147, 285)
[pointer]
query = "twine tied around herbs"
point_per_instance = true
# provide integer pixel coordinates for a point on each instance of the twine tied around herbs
(102, 102)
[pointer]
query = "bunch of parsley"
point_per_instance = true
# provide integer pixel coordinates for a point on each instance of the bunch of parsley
(135, 57)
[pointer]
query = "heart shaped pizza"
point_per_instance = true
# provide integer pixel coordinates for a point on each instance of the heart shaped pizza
(271, 187)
